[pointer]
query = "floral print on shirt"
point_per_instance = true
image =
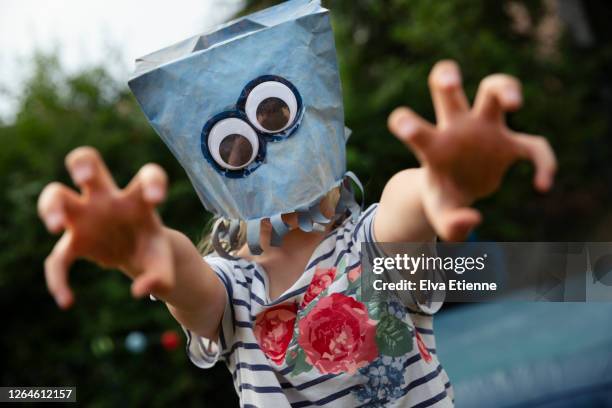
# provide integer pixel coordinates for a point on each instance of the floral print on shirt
(385, 378)
(337, 333)
(274, 329)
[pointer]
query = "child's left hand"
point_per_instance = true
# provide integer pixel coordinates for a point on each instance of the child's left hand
(465, 156)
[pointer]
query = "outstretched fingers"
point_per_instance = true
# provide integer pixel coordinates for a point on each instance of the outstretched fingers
(150, 186)
(412, 130)
(537, 150)
(57, 266)
(447, 92)
(55, 205)
(497, 93)
(89, 172)
(151, 183)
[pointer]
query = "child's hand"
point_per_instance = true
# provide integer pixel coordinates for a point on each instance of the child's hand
(112, 227)
(466, 155)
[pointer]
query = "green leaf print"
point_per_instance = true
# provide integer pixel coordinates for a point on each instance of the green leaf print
(376, 309)
(293, 343)
(393, 336)
(297, 359)
(353, 286)
(341, 268)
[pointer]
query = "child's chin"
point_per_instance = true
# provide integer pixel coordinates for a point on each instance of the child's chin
(291, 220)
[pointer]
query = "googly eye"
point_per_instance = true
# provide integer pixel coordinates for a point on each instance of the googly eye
(271, 106)
(233, 143)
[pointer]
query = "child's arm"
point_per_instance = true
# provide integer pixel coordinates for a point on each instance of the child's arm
(121, 229)
(462, 159)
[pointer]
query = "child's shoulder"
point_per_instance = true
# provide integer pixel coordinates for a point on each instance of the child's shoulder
(235, 268)
(357, 228)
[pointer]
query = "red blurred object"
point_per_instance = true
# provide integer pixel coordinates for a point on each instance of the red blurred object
(170, 340)
(422, 348)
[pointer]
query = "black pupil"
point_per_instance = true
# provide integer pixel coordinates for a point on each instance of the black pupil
(273, 113)
(236, 150)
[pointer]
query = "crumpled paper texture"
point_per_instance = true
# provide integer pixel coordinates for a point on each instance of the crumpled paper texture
(182, 86)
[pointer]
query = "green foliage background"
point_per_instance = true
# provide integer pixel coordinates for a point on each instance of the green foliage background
(386, 50)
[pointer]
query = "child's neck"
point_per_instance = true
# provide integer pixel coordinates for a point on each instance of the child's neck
(286, 263)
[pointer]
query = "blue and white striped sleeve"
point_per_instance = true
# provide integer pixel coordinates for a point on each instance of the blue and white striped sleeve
(363, 233)
(204, 352)
(363, 229)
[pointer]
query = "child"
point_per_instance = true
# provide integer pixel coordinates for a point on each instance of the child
(281, 296)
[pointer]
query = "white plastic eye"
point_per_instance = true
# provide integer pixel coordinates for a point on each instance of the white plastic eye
(271, 107)
(233, 143)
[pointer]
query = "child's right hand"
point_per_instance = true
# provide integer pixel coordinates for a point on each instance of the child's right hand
(116, 228)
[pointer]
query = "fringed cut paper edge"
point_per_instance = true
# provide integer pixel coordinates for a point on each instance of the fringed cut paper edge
(310, 219)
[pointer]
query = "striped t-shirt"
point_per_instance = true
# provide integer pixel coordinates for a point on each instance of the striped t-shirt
(318, 344)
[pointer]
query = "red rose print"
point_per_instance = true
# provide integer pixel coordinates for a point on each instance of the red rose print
(354, 273)
(274, 329)
(422, 348)
(320, 281)
(337, 335)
